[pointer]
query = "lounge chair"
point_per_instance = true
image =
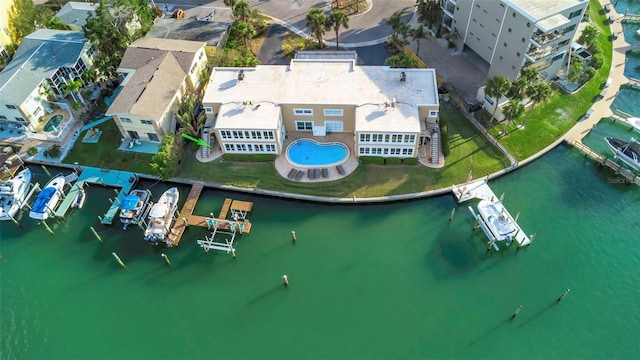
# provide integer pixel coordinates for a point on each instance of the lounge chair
(299, 175)
(316, 173)
(340, 170)
(292, 173)
(325, 173)
(311, 174)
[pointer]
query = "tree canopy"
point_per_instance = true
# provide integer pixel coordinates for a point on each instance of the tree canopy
(496, 87)
(338, 19)
(25, 18)
(165, 163)
(318, 24)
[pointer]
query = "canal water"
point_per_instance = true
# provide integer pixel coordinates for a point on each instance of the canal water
(379, 281)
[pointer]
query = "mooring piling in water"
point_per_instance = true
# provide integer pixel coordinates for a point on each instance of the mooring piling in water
(517, 216)
(46, 226)
(285, 280)
(453, 212)
(517, 312)
(563, 295)
(115, 256)
(46, 171)
(13, 220)
(95, 233)
(293, 237)
(166, 259)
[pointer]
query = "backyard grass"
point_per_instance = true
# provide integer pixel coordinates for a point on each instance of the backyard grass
(551, 120)
(105, 153)
(469, 151)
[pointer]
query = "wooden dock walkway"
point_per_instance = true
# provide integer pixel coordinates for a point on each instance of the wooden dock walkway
(225, 209)
(179, 227)
(605, 161)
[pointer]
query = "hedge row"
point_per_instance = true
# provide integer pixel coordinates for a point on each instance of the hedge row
(250, 157)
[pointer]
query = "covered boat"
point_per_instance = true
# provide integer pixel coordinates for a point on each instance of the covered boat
(161, 217)
(629, 152)
(499, 223)
(132, 207)
(47, 199)
(13, 193)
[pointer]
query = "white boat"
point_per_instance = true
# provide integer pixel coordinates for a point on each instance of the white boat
(629, 152)
(78, 201)
(161, 217)
(132, 207)
(13, 193)
(47, 199)
(635, 122)
(498, 221)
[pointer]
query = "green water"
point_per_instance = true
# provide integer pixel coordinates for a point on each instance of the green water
(632, 65)
(626, 103)
(382, 281)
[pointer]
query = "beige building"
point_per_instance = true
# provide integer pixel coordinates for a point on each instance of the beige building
(156, 74)
(5, 39)
(387, 111)
(511, 34)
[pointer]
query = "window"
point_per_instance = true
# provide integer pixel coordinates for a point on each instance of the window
(574, 14)
(10, 107)
(395, 138)
(482, 26)
(225, 134)
(2, 117)
(376, 137)
(256, 135)
(513, 14)
(569, 29)
(505, 44)
(237, 134)
(557, 57)
(433, 113)
(146, 122)
(509, 29)
(365, 137)
(38, 109)
(333, 112)
(304, 125)
(303, 112)
(153, 137)
(271, 148)
(387, 137)
(474, 20)
(229, 147)
(563, 43)
(18, 118)
(409, 139)
(478, 6)
(364, 151)
(528, 24)
(247, 135)
(523, 40)
(268, 135)
(208, 110)
(125, 120)
(494, 34)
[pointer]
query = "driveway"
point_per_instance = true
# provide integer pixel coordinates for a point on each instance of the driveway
(271, 51)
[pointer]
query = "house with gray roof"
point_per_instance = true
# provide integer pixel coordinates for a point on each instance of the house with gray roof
(74, 14)
(156, 72)
(33, 80)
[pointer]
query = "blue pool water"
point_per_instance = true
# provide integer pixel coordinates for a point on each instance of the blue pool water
(53, 123)
(307, 152)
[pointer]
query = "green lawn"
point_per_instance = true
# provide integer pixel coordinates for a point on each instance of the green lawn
(105, 153)
(469, 151)
(551, 120)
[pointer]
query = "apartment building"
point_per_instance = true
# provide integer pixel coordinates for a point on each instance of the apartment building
(511, 34)
(387, 111)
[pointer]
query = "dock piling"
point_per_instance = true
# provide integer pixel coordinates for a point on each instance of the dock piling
(44, 223)
(186, 223)
(452, 213)
(166, 259)
(293, 237)
(95, 233)
(100, 218)
(14, 221)
(115, 256)
(501, 197)
(563, 295)
(233, 253)
(285, 281)
(46, 171)
(532, 236)
(517, 312)
(517, 216)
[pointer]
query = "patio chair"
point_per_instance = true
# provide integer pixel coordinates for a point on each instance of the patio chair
(325, 173)
(340, 170)
(292, 174)
(311, 174)
(299, 175)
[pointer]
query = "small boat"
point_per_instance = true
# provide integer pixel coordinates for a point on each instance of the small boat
(13, 193)
(635, 122)
(47, 199)
(78, 201)
(132, 207)
(161, 217)
(499, 223)
(629, 152)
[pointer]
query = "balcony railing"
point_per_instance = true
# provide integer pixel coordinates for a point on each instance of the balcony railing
(539, 53)
(546, 38)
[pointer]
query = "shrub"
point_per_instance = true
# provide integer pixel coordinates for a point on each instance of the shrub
(165, 163)
(393, 161)
(53, 152)
(32, 151)
(250, 157)
(410, 161)
(597, 60)
(589, 73)
(444, 138)
(378, 160)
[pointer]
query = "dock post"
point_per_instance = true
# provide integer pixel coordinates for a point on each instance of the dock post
(95, 233)
(563, 295)
(293, 237)
(233, 253)
(517, 216)
(285, 281)
(452, 213)
(516, 313)
(45, 170)
(44, 223)
(186, 223)
(111, 200)
(140, 226)
(15, 221)
(166, 259)
(100, 218)
(501, 197)
(532, 236)
(119, 260)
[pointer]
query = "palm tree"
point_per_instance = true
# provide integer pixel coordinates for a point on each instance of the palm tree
(496, 87)
(513, 110)
(395, 21)
(404, 31)
(336, 20)
(418, 34)
(530, 75)
(318, 24)
(230, 3)
(246, 32)
(538, 93)
(242, 11)
(71, 87)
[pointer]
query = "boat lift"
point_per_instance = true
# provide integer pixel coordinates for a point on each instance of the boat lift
(221, 228)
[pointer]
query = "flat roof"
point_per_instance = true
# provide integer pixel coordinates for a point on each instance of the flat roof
(552, 22)
(540, 9)
(372, 117)
(250, 116)
(333, 81)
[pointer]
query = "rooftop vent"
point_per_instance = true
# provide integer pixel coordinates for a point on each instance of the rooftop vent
(240, 75)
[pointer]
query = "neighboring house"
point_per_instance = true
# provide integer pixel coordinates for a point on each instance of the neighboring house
(75, 14)
(511, 34)
(156, 74)
(389, 112)
(199, 24)
(45, 60)
(5, 39)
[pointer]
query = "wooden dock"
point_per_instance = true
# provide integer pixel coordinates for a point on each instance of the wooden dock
(186, 217)
(11, 164)
(629, 175)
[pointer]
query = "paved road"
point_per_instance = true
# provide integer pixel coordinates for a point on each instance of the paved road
(365, 29)
(271, 50)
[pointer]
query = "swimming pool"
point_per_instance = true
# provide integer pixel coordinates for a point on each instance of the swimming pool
(52, 124)
(310, 153)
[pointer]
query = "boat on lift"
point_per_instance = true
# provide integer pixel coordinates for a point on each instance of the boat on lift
(635, 123)
(629, 152)
(161, 217)
(12, 194)
(132, 207)
(498, 221)
(79, 199)
(48, 198)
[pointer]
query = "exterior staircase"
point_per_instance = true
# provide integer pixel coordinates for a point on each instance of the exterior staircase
(433, 129)
(206, 149)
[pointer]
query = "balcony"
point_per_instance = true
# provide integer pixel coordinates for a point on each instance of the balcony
(450, 8)
(538, 53)
(545, 38)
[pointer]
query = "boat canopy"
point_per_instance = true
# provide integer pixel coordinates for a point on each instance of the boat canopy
(129, 202)
(42, 200)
